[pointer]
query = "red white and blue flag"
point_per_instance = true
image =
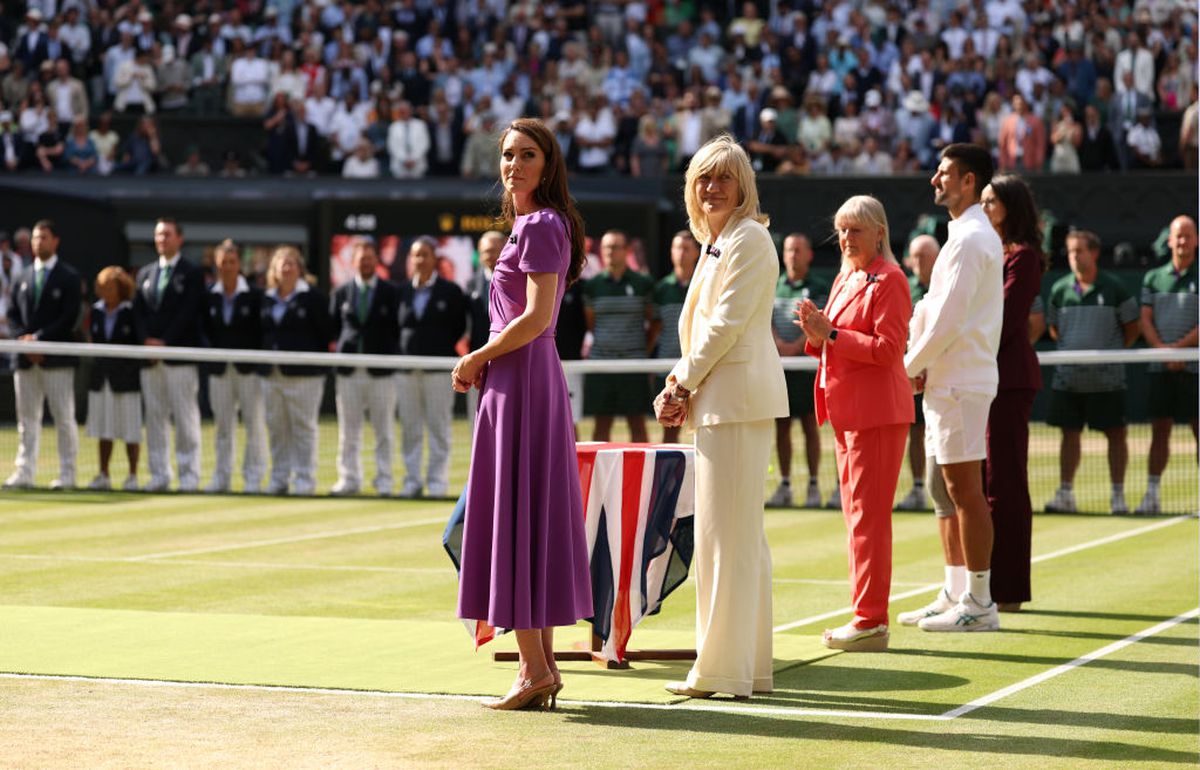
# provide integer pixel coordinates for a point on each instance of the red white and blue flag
(638, 501)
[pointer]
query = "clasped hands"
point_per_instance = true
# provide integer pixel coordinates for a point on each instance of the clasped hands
(671, 405)
(816, 324)
(467, 372)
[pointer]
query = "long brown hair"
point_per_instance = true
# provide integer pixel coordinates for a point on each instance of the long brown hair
(1021, 225)
(551, 191)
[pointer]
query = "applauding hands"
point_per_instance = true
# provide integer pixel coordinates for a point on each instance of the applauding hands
(816, 324)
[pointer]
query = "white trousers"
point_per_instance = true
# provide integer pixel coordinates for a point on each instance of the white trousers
(34, 388)
(293, 409)
(732, 563)
(171, 394)
(229, 394)
(426, 401)
(357, 393)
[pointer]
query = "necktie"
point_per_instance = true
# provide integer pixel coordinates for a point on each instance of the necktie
(363, 298)
(164, 278)
(39, 280)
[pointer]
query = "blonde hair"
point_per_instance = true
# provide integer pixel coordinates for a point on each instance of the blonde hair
(720, 155)
(116, 275)
(277, 257)
(868, 211)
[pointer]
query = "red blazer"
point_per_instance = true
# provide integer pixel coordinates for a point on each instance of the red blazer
(865, 382)
(1016, 360)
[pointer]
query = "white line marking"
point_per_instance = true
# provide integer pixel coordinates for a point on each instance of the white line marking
(231, 564)
(685, 706)
(294, 539)
(1044, 557)
(978, 703)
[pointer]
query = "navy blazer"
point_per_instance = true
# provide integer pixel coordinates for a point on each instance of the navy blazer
(479, 304)
(176, 318)
(121, 374)
(243, 332)
(305, 326)
(442, 325)
(51, 320)
(379, 334)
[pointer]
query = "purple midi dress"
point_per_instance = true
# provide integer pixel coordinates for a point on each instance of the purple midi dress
(524, 548)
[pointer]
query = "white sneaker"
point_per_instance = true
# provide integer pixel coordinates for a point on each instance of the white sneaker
(1148, 507)
(1118, 505)
(1063, 502)
(157, 485)
(812, 498)
(343, 488)
(835, 499)
(782, 497)
(913, 501)
(967, 615)
(62, 483)
(18, 481)
(130, 484)
(100, 482)
(939, 605)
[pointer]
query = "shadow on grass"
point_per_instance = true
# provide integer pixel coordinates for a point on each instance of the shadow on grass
(1176, 641)
(1141, 667)
(934, 737)
(1099, 616)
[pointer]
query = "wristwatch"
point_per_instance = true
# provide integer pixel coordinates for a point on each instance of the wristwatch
(833, 335)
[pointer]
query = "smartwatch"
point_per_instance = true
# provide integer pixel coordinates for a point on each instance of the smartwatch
(833, 335)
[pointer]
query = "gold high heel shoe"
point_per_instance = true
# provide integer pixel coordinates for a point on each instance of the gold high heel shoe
(527, 696)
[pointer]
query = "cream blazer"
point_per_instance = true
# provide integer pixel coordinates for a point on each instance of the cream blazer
(730, 363)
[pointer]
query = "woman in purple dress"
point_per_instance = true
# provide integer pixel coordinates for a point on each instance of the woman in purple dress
(524, 551)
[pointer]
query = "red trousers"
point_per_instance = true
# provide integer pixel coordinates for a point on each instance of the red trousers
(868, 463)
(1006, 484)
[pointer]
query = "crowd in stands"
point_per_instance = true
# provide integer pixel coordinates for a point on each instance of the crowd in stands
(410, 88)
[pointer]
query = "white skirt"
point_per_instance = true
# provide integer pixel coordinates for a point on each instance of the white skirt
(114, 416)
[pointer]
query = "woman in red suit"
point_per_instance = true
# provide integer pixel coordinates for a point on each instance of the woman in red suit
(1008, 204)
(863, 391)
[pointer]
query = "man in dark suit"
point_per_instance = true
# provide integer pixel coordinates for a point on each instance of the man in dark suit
(44, 308)
(364, 313)
(169, 302)
(491, 244)
(433, 316)
(33, 47)
(305, 150)
(232, 320)
(446, 140)
(1097, 151)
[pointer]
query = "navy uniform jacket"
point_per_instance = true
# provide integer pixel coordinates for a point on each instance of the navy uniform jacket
(479, 304)
(121, 374)
(176, 318)
(380, 334)
(243, 332)
(440, 328)
(305, 325)
(53, 319)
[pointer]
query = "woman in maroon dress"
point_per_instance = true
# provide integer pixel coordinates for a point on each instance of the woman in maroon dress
(1008, 203)
(524, 552)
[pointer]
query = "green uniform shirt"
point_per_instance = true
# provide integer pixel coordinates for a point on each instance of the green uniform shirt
(1173, 301)
(787, 294)
(669, 295)
(1090, 320)
(620, 308)
(916, 289)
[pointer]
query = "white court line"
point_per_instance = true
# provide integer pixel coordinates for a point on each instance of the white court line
(979, 703)
(425, 696)
(294, 539)
(1037, 559)
(231, 564)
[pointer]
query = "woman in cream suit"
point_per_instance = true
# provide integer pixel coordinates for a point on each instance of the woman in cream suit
(729, 388)
(863, 391)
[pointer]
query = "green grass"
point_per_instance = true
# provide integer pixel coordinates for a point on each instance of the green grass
(357, 595)
(1179, 485)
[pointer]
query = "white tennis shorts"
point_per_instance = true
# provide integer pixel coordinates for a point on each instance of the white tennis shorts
(956, 424)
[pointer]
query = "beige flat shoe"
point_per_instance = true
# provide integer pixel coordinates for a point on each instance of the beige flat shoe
(853, 639)
(681, 688)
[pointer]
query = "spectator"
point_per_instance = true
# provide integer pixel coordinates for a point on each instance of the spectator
(795, 162)
(815, 131)
(433, 317)
(231, 166)
(44, 308)
(249, 81)
(347, 127)
(620, 314)
(288, 79)
(79, 154)
(295, 316)
(1145, 145)
(1174, 85)
(173, 76)
(65, 95)
(305, 150)
(408, 144)
(34, 119)
(872, 161)
(1096, 149)
(1189, 132)
(922, 253)
(14, 86)
(1136, 60)
(106, 142)
(208, 72)
(650, 156)
(915, 125)
(1078, 73)
(116, 56)
(50, 146)
(32, 48)
(480, 159)
(142, 152)
(847, 128)
(1067, 137)
(319, 106)
(365, 314)
(688, 127)
(670, 294)
(193, 165)
(1022, 138)
(1168, 320)
(769, 146)
(1089, 310)
(594, 133)
(135, 83)
(794, 286)
(232, 318)
(362, 164)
